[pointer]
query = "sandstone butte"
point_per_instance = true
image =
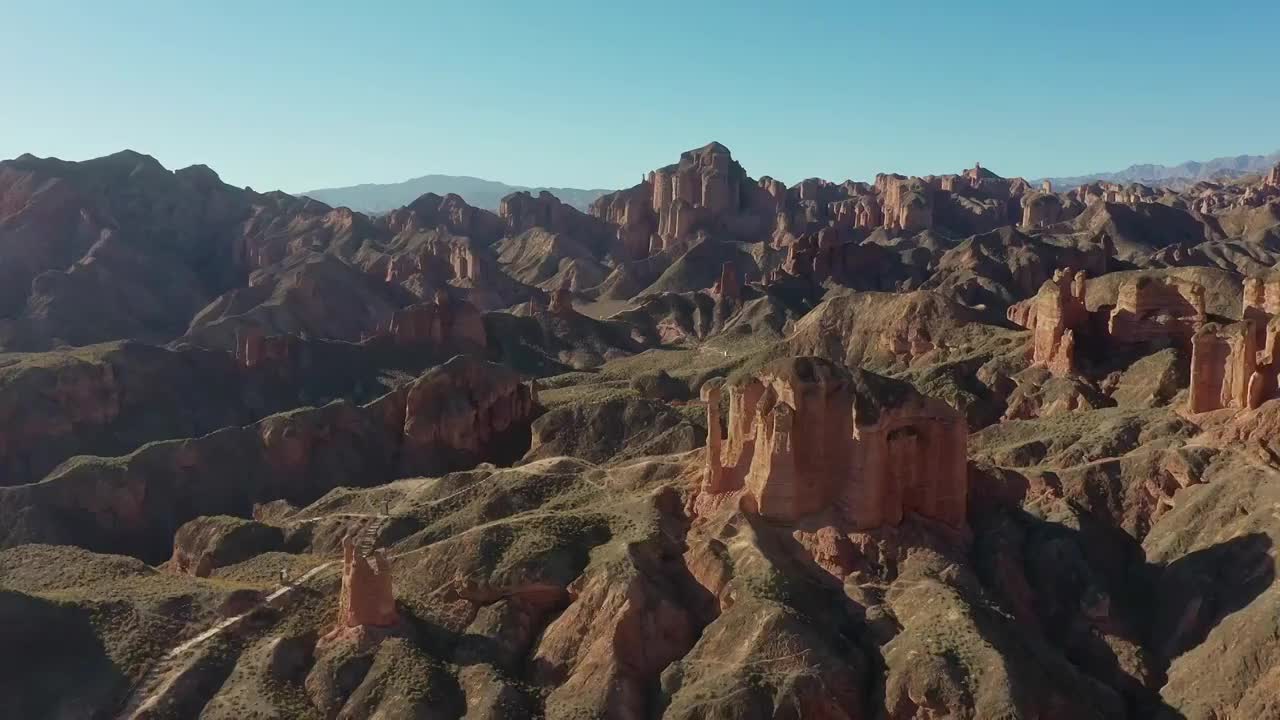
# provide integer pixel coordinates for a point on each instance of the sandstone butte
(807, 436)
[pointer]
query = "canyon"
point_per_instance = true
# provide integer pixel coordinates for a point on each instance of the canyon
(708, 446)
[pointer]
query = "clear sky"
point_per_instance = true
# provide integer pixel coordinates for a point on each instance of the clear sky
(299, 95)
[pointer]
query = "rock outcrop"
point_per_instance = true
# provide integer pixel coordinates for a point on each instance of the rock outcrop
(706, 191)
(1223, 368)
(705, 184)
(1157, 308)
(462, 412)
(1041, 210)
(523, 211)
(1055, 315)
(367, 598)
(443, 323)
(1236, 365)
(1149, 310)
(908, 203)
(807, 436)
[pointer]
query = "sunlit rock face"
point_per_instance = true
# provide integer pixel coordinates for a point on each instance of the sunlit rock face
(806, 435)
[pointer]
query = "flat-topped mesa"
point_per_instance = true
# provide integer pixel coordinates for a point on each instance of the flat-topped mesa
(1157, 308)
(1056, 315)
(1236, 365)
(706, 183)
(727, 287)
(705, 190)
(367, 598)
(806, 436)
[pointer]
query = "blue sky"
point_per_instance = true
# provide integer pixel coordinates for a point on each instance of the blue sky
(299, 95)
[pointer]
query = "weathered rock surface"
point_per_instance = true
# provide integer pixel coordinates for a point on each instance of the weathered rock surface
(807, 436)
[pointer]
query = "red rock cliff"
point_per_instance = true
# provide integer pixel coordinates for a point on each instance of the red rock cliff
(1150, 308)
(1055, 316)
(807, 436)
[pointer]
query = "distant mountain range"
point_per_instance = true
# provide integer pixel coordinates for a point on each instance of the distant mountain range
(377, 198)
(1178, 176)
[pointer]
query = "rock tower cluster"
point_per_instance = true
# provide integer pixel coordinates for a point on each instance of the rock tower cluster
(1148, 309)
(1234, 366)
(807, 436)
(367, 598)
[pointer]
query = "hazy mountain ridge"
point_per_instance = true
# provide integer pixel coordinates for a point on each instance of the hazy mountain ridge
(1176, 176)
(381, 197)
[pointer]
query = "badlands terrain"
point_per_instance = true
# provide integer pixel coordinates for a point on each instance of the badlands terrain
(719, 447)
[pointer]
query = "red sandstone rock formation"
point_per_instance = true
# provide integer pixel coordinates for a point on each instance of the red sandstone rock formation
(808, 436)
(1055, 315)
(1147, 309)
(1236, 366)
(206, 543)
(1261, 303)
(367, 598)
(461, 412)
(908, 204)
(1223, 365)
(523, 211)
(632, 212)
(444, 322)
(705, 190)
(450, 212)
(1151, 308)
(705, 183)
(1041, 210)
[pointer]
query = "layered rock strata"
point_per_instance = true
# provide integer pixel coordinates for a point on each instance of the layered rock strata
(807, 436)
